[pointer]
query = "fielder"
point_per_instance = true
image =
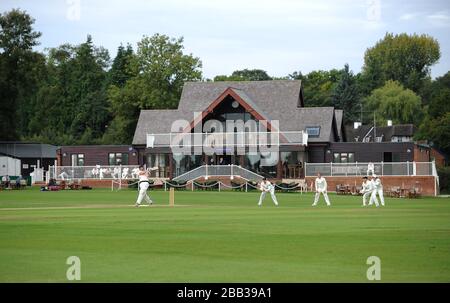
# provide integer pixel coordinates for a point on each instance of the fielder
(370, 168)
(373, 192)
(267, 187)
(379, 189)
(321, 188)
(143, 186)
(366, 190)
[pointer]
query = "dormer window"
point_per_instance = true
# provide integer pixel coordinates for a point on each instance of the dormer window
(313, 131)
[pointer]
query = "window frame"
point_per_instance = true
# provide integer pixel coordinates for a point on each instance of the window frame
(313, 127)
(115, 158)
(78, 157)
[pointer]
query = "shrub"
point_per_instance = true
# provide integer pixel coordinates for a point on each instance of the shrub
(444, 179)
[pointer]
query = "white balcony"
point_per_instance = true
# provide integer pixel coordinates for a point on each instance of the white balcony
(227, 139)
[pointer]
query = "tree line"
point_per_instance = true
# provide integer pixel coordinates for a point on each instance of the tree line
(77, 94)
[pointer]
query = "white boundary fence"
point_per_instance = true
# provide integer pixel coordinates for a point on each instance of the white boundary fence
(379, 168)
(102, 172)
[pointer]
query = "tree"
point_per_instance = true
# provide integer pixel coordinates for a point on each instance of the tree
(346, 95)
(16, 32)
(318, 86)
(403, 58)
(435, 125)
(71, 104)
(161, 69)
(393, 102)
(88, 90)
(19, 71)
(440, 96)
(245, 75)
(437, 131)
(121, 69)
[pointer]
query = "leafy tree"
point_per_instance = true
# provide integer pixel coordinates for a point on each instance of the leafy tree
(437, 131)
(245, 75)
(16, 32)
(318, 86)
(435, 125)
(19, 68)
(392, 101)
(121, 69)
(403, 58)
(72, 103)
(346, 95)
(440, 96)
(161, 69)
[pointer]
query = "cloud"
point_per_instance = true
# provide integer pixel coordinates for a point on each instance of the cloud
(409, 16)
(439, 19)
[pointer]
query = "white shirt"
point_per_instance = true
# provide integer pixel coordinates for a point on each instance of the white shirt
(321, 184)
(378, 184)
(367, 187)
(266, 186)
(143, 176)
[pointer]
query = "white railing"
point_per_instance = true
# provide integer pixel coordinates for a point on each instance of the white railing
(218, 171)
(227, 139)
(111, 172)
(379, 168)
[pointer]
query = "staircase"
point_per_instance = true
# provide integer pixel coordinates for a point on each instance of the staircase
(218, 171)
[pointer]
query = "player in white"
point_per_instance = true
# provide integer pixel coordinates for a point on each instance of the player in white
(373, 192)
(370, 168)
(267, 187)
(143, 186)
(321, 188)
(379, 189)
(366, 190)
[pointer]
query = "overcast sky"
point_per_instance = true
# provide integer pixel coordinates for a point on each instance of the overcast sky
(279, 36)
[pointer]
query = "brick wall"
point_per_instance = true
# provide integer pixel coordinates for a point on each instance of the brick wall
(426, 183)
(95, 154)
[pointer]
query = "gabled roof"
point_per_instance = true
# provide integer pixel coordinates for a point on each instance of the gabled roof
(27, 150)
(271, 96)
(274, 100)
(339, 113)
(387, 132)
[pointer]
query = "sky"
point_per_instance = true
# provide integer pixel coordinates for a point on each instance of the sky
(278, 36)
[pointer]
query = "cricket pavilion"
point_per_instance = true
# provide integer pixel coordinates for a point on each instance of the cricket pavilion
(251, 129)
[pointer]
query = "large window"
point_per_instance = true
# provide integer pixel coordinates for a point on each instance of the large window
(313, 131)
(292, 164)
(265, 166)
(161, 161)
(118, 159)
(343, 157)
(77, 159)
(185, 163)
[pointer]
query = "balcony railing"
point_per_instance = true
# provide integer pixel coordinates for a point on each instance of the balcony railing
(379, 168)
(218, 171)
(227, 139)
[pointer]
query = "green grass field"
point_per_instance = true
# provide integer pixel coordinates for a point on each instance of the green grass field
(219, 237)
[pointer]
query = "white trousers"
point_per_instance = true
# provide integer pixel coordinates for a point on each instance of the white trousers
(317, 196)
(380, 194)
(373, 198)
(263, 195)
(365, 196)
(143, 186)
